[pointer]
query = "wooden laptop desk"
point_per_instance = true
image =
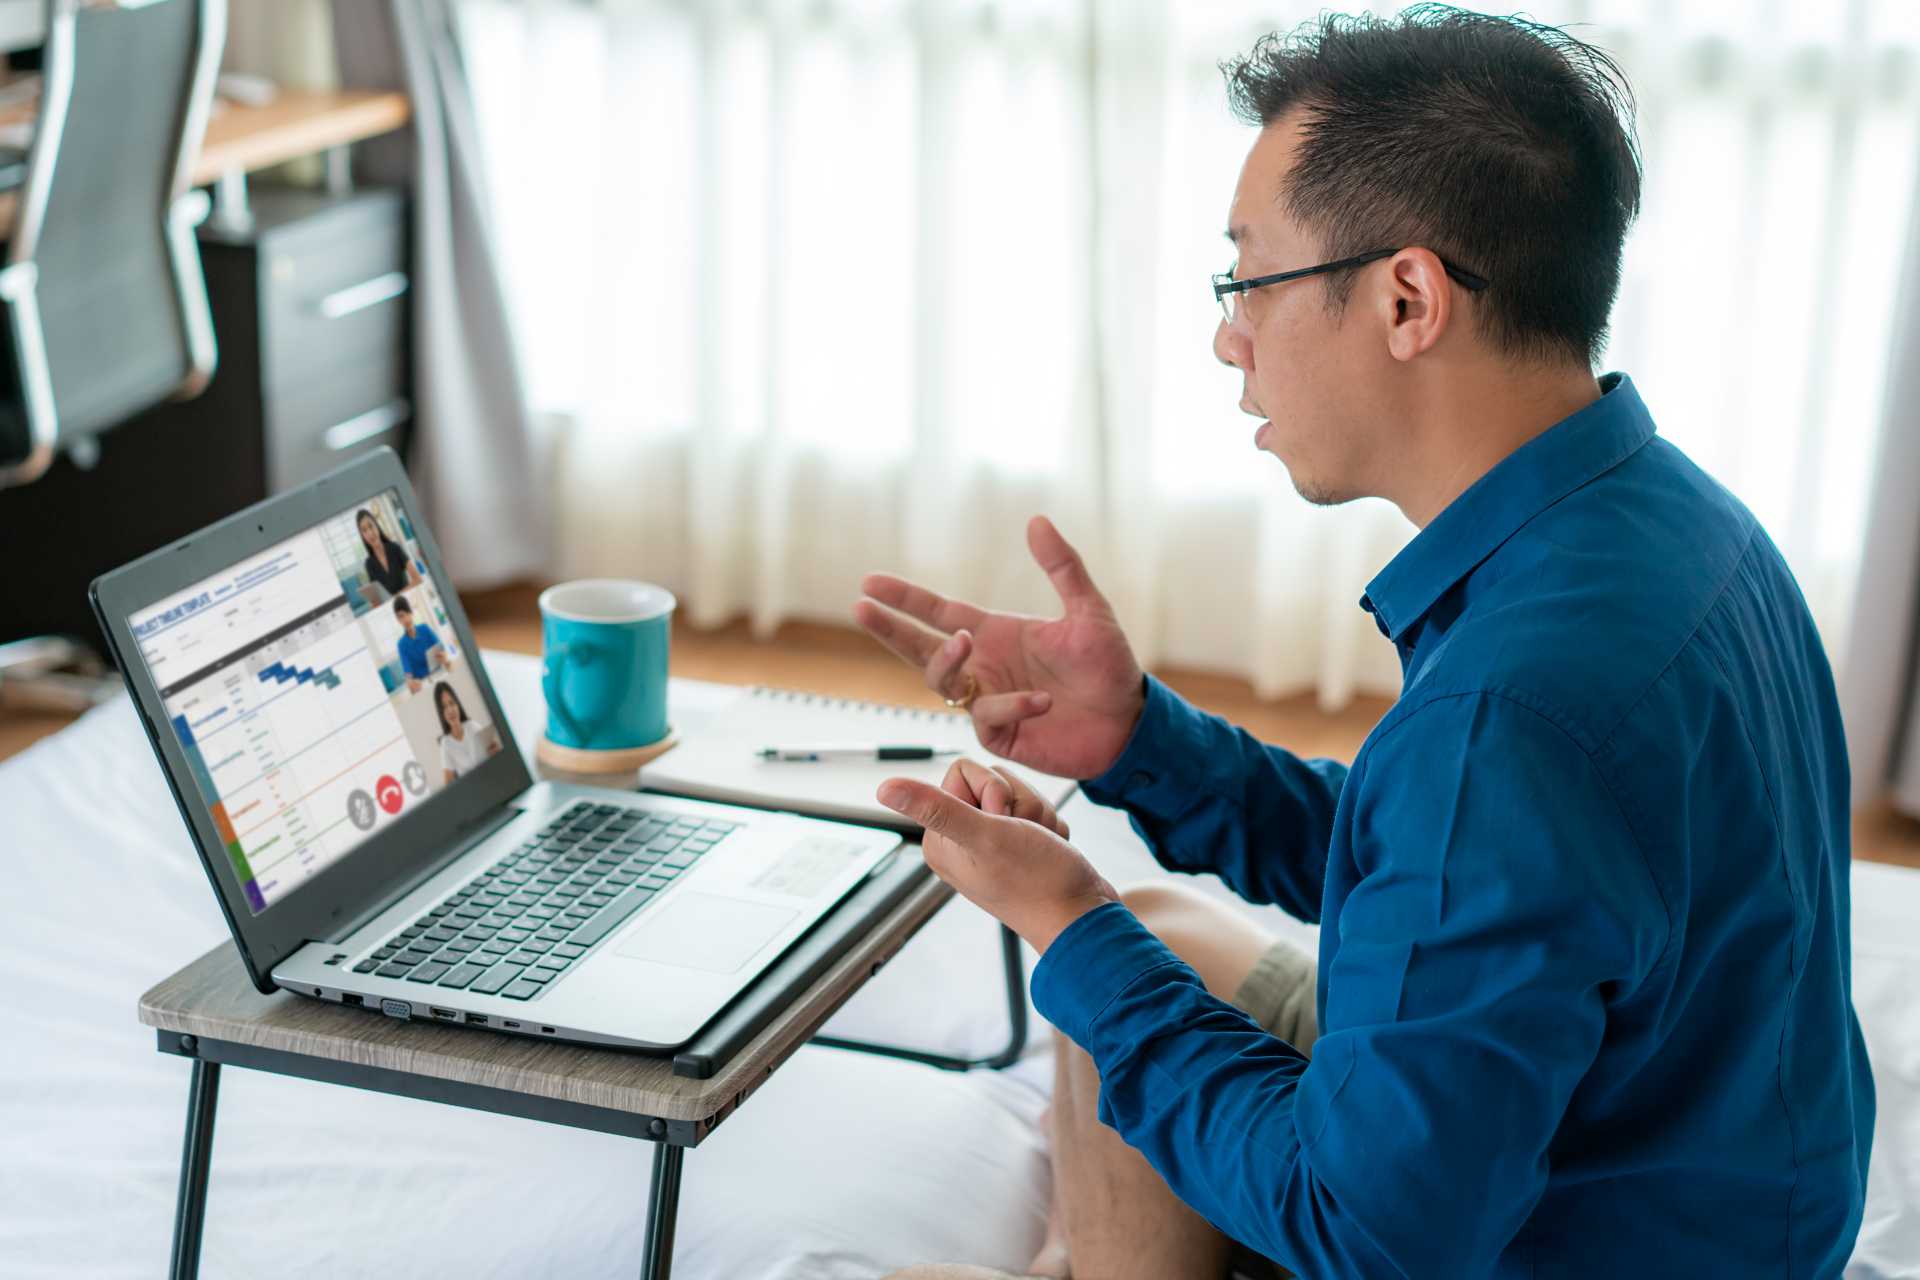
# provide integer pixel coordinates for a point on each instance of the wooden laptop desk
(210, 1013)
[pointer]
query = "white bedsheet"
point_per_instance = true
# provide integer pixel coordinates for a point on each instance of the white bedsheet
(844, 1165)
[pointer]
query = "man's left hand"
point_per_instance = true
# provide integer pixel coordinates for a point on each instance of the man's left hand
(1002, 848)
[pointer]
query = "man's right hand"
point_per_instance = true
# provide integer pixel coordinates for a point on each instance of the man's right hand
(1060, 695)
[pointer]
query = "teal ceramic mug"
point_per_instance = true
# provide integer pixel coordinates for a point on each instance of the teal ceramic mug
(604, 662)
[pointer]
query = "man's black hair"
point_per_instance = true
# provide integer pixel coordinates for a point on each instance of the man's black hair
(400, 605)
(1505, 146)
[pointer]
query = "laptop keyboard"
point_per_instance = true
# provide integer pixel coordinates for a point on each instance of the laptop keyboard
(515, 928)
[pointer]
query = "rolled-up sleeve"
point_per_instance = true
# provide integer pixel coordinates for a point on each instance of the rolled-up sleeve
(1500, 899)
(1207, 796)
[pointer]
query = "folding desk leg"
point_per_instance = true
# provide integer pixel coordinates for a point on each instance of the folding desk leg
(663, 1206)
(1016, 975)
(190, 1213)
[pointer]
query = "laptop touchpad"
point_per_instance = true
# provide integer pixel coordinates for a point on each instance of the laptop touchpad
(701, 931)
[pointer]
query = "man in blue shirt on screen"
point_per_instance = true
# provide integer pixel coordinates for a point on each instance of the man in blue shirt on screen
(419, 646)
(1581, 1005)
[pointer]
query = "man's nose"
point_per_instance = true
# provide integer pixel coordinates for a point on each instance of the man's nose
(1230, 347)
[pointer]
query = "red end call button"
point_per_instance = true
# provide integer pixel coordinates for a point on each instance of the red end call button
(387, 791)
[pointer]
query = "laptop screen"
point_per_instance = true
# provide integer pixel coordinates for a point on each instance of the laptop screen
(318, 692)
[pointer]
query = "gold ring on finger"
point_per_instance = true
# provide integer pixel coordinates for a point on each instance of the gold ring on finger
(964, 701)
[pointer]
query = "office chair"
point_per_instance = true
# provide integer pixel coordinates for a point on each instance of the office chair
(103, 307)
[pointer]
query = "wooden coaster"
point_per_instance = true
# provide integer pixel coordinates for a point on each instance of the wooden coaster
(626, 760)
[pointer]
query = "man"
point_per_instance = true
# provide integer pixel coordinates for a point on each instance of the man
(419, 645)
(1582, 998)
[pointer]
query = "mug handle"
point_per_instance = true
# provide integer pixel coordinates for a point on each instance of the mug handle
(556, 658)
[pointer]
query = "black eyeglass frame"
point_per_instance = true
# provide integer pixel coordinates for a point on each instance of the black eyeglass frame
(1224, 283)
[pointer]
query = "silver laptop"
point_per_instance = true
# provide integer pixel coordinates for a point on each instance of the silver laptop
(370, 826)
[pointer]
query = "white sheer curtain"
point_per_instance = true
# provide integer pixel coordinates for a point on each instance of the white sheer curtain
(808, 289)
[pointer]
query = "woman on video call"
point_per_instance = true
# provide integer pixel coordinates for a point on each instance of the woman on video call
(388, 565)
(461, 747)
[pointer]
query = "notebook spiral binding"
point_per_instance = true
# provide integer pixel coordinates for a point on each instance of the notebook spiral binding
(804, 698)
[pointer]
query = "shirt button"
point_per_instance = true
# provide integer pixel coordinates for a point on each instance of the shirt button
(1366, 602)
(1140, 778)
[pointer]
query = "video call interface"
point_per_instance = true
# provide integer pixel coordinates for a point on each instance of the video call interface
(318, 692)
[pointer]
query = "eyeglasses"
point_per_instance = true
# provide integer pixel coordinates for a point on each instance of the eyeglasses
(1226, 289)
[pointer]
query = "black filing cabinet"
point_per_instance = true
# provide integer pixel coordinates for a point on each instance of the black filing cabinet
(316, 325)
(311, 306)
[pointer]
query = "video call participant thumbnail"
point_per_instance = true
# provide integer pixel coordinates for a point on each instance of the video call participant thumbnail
(419, 645)
(388, 565)
(463, 742)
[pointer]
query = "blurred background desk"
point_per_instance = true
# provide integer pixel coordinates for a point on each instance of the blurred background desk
(308, 291)
(242, 138)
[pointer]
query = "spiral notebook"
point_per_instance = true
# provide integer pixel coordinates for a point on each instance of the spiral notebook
(719, 760)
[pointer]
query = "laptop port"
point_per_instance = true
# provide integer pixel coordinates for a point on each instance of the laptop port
(511, 1025)
(448, 1014)
(396, 1009)
(354, 1000)
(478, 1019)
(547, 1030)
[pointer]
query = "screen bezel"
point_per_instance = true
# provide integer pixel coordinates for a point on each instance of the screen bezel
(388, 860)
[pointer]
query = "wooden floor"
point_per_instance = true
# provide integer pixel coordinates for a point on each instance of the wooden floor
(844, 661)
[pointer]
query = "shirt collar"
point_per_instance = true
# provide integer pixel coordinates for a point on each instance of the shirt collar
(1526, 482)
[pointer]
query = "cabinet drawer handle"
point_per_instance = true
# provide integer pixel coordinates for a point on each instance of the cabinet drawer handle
(365, 426)
(368, 293)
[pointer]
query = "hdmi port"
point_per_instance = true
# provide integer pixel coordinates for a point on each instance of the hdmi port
(448, 1014)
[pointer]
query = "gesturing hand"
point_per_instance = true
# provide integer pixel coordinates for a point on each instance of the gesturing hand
(1001, 847)
(1060, 695)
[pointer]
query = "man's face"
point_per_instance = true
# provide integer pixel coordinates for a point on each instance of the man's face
(1316, 377)
(406, 621)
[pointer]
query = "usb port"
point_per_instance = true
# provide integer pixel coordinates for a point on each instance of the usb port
(477, 1018)
(510, 1024)
(350, 998)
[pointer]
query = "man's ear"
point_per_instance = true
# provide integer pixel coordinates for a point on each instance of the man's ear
(1417, 303)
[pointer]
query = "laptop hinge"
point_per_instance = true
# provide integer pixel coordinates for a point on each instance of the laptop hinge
(485, 827)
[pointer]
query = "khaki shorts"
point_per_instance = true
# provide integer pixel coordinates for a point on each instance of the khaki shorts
(1278, 993)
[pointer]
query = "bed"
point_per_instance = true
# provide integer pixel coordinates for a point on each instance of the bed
(845, 1165)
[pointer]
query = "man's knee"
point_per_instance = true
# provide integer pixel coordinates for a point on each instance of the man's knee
(1218, 942)
(1164, 902)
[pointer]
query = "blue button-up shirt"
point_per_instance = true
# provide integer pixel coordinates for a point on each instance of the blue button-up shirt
(415, 649)
(1584, 994)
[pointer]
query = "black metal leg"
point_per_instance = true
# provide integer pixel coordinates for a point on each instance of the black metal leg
(190, 1212)
(1016, 974)
(663, 1206)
